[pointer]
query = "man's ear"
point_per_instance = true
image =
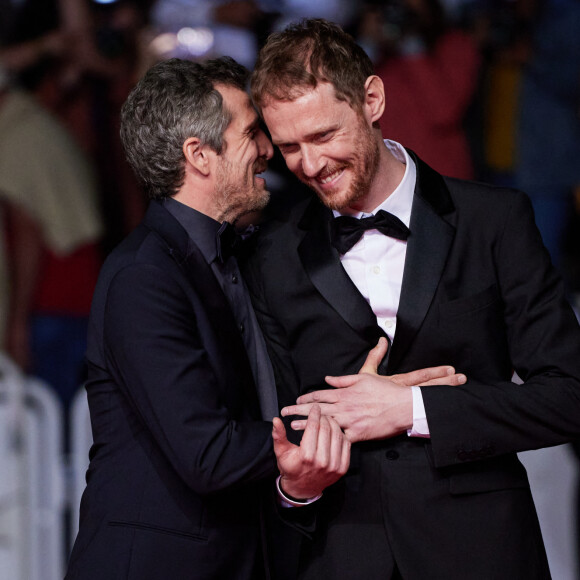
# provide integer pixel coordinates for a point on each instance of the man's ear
(374, 103)
(197, 155)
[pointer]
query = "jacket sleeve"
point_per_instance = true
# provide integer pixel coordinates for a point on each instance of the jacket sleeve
(158, 344)
(483, 419)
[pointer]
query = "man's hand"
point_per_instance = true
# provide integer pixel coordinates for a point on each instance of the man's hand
(365, 406)
(368, 406)
(443, 375)
(321, 459)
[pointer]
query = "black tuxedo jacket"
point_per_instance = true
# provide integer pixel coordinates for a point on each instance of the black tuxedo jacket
(478, 293)
(180, 449)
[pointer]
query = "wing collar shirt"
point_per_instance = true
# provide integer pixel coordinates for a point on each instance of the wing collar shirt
(375, 264)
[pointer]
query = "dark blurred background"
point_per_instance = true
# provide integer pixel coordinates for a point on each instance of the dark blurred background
(480, 89)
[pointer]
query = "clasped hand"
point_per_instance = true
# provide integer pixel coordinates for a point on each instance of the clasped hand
(320, 460)
(369, 406)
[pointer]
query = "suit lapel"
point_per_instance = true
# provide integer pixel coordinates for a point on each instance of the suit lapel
(202, 279)
(427, 249)
(322, 264)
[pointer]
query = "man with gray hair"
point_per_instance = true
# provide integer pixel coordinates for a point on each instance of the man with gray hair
(180, 390)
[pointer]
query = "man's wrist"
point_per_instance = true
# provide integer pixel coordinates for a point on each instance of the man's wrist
(289, 501)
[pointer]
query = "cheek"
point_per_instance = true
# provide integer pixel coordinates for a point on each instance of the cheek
(340, 150)
(250, 155)
(292, 162)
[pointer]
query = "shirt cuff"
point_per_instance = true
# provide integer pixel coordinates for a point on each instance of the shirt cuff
(420, 427)
(287, 502)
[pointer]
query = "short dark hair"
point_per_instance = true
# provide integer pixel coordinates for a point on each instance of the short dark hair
(175, 100)
(307, 53)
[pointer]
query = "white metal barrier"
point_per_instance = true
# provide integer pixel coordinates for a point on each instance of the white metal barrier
(32, 491)
(81, 441)
(13, 470)
(553, 474)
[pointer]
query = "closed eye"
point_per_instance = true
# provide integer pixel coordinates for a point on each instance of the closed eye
(323, 137)
(288, 148)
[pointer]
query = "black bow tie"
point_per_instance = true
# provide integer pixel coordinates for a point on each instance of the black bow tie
(229, 241)
(346, 231)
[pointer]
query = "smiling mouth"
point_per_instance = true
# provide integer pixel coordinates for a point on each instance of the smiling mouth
(257, 174)
(331, 177)
(260, 168)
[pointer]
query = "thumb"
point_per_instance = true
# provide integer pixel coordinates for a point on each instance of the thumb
(375, 357)
(343, 381)
(281, 443)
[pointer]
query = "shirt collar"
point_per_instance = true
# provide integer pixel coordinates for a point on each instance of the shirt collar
(399, 203)
(200, 228)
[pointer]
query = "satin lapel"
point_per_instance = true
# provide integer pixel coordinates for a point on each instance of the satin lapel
(427, 249)
(322, 264)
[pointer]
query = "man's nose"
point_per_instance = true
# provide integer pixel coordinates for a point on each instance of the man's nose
(311, 162)
(265, 147)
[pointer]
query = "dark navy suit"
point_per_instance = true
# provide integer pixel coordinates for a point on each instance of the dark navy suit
(181, 455)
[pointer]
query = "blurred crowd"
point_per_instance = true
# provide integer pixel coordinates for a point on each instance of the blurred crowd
(480, 89)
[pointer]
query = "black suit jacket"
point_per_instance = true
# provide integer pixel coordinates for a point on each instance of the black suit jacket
(180, 452)
(478, 293)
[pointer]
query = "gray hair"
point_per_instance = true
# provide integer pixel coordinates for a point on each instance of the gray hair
(175, 100)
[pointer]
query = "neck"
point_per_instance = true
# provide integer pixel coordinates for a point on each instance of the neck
(198, 199)
(206, 204)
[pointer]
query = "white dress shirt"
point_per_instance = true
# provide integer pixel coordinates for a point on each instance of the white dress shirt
(375, 264)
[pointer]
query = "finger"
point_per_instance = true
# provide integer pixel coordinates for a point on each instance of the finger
(298, 425)
(303, 410)
(453, 380)
(281, 443)
(327, 409)
(324, 442)
(375, 357)
(309, 440)
(422, 376)
(336, 443)
(278, 429)
(324, 396)
(340, 382)
(345, 455)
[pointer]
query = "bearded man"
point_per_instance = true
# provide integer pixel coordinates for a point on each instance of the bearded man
(452, 272)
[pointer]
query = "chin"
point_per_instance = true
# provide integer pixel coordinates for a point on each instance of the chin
(252, 215)
(337, 200)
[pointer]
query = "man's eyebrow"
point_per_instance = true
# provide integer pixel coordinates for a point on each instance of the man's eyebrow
(312, 136)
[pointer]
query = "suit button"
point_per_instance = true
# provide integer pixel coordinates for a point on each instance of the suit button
(391, 454)
(462, 455)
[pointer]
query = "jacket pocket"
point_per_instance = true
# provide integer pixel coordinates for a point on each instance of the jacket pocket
(159, 530)
(468, 304)
(489, 475)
